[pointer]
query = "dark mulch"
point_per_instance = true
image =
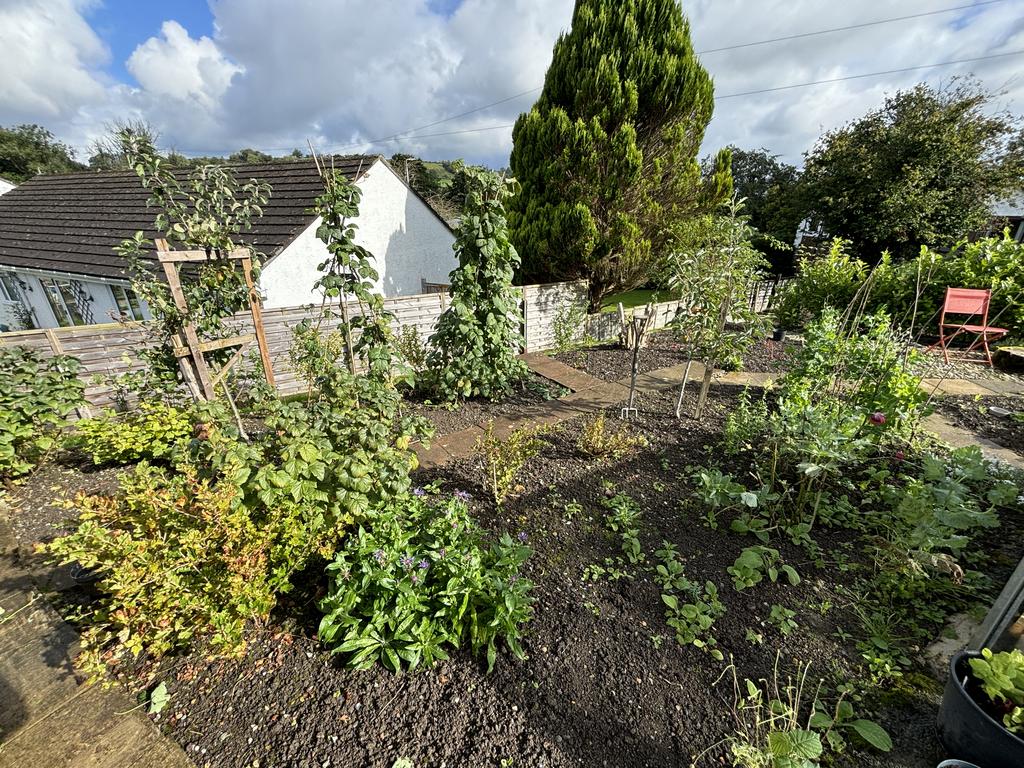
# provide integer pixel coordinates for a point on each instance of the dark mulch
(605, 683)
(973, 413)
(453, 418)
(613, 363)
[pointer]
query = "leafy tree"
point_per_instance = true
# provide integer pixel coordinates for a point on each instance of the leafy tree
(922, 169)
(474, 350)
(607, 156)
(249, 155)
(108, 153)
(770, 193)
(713, 277)
(28, 150)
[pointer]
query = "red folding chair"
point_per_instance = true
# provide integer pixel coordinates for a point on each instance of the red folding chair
(972, 302)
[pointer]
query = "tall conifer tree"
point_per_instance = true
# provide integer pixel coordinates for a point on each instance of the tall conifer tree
(607, 157)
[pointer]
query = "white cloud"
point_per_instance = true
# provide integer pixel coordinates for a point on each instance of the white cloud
(49, 58)
(178, 67)
(340, 72)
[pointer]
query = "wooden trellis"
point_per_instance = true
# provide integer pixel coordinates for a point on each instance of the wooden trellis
(189, 349)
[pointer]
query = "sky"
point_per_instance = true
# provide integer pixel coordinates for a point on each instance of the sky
(359, 75)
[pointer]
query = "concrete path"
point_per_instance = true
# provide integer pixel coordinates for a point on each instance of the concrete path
(48, 718)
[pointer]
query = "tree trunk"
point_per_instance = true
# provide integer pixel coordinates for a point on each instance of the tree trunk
(682, 389)
(705, 387)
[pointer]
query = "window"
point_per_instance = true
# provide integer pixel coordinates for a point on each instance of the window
(9, 290)
(65, 301)
(127, 302)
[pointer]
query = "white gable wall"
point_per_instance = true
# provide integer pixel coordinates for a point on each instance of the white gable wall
(5, 185)
(410, 244)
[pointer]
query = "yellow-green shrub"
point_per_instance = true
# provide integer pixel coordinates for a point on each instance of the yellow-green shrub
(180, 558)
(152, 432)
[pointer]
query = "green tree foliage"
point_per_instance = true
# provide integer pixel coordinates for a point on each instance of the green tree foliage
(474, 350)
(713, 276)
(922, 169)
(770, 193)
(28, 150)
(607, 156)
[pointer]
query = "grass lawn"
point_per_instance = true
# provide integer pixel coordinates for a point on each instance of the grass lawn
(638, 298)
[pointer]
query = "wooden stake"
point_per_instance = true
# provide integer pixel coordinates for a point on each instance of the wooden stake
(257, 320)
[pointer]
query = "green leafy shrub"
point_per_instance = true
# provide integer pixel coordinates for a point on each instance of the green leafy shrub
(830, 279)
(474, 352)
(179, 559)
(911, 292)
(503, 460)
(152, 431)
(417, 577)
(1002, 679)
(36, 397)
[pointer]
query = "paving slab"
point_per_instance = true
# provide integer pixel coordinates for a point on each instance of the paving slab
(563, 374)
(952, 435)
(37, 673)
(597, 398)
(1002, 386)
(954, 387)
(96, 728)
(744, 378)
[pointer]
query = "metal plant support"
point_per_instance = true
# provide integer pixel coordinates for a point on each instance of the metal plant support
(639, 329)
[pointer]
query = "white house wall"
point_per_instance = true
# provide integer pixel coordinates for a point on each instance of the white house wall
(101, 305)
(6, 186)
(409, 243)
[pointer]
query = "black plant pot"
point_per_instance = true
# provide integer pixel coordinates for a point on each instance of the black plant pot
(779, 334)
(967, 731)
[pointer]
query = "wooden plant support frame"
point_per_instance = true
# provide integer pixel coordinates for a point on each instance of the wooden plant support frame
(188, 349)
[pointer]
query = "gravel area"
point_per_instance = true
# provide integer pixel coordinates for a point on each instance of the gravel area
(612, 363)
(974, 414)
(971, 366)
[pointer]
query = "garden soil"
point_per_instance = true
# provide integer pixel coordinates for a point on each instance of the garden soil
(605, 683)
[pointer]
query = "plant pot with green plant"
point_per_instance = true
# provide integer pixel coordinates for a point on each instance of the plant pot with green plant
(982, 714)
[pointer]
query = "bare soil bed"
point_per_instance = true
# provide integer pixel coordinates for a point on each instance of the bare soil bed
(613, 363)
(975, 415)
(447, 419)
(605, 683)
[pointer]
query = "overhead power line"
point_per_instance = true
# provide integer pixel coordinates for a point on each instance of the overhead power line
(737, 46)
(408, 132)
(402, 137)
(861, 25)
(868, 74)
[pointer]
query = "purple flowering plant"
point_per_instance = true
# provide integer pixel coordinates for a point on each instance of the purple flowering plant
(423, 577)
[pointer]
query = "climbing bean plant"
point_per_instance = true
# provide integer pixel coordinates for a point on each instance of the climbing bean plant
(347, 277)
(474, 350)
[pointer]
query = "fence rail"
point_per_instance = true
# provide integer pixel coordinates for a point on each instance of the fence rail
(549, 311)
(111, 349)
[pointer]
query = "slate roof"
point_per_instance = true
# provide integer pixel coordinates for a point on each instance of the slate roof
(71, 222)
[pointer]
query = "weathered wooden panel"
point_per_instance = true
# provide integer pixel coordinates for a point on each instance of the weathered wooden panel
(111, 349)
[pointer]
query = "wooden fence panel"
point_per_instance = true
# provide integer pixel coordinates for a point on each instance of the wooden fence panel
(111, 349)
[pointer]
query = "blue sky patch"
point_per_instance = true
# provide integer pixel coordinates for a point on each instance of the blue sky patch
(125, 24)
